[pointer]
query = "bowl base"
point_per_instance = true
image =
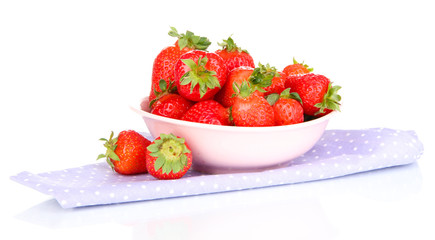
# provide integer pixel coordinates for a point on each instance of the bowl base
(228, 170)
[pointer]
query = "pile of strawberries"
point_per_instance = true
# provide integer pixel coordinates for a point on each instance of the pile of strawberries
(226, 88)
(223, 88)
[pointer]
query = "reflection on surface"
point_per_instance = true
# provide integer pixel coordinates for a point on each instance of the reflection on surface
(297, 207)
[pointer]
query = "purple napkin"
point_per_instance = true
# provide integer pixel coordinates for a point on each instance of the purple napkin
(338, 153)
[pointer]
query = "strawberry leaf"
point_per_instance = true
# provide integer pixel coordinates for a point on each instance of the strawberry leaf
(170, 152)
(199, 75)
(272, 98)
(190, 40)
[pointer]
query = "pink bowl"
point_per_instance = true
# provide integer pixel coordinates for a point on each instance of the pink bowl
(226, 149)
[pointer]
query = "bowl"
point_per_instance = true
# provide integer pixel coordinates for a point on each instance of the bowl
(230, 149)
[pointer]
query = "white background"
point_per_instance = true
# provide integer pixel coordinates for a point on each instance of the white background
(70, 69)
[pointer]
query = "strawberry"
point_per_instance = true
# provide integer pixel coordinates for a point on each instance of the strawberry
(237, 75)
(199, 75)
(277, 83)
(163, 66)
(287, 107)
(295, 69)
(250, 108)
(233, 55)
(126, 152)
(318, 95)
(169, 104)
(208, 111)
(260, 78)
(168, 157)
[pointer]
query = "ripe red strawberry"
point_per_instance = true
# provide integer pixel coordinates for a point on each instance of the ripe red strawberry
(169, 104)
(168, 157)
(260, 78)
(287, 108)
(293, 70)
(277, 83)
(237, 75)
(126, 152)
(318, 95)
(163, 67)
(297, 68)
(233, 55)
(250, 108)
(199, 75)
(209, 112)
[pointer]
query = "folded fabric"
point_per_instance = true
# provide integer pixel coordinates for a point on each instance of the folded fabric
(337, 153)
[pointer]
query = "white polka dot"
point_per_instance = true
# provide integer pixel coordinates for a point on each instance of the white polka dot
(202, 183)
(125, 197)
(63, 202)
(112, 195)
(157, 189)
(97, 193)
(215, 186)
(355, 148)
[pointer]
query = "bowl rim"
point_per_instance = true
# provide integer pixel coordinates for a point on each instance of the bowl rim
(147, 114)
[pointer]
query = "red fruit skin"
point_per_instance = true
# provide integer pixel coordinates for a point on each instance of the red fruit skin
(131, 150)
(292, 71)
(238, 75)
(171, 105)
(252, 111)
(295, 69)
(311, 88)
(150, 160)
(288, 111)
(278, 84)
(163, 66)
(236, 59)
(215, 63)
(209, 112)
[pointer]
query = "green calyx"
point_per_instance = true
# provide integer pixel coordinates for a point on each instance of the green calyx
(331, 100)
(231, 46)
(190, 40)
(243, 90)
(274, 97)
(110, 146)
(303, 64)
(199, 75)
(164, 88)
(170, 152)
(262, 76)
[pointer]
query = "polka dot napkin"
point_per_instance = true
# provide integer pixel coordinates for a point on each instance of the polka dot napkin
(338, 153)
